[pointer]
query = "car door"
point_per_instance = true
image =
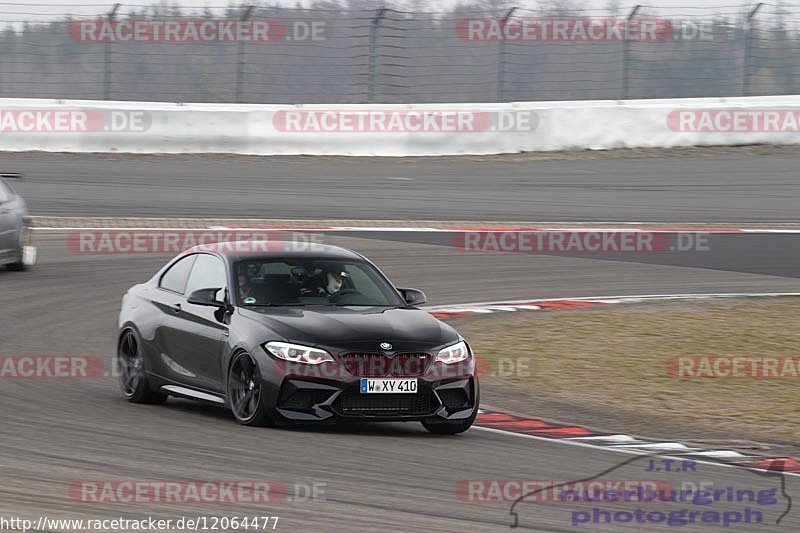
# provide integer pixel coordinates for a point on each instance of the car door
(200, 335)
(168, 300)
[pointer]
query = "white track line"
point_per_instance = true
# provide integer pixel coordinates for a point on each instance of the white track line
(487, 307)
(46, 228)
(614, 449)
(389, 229)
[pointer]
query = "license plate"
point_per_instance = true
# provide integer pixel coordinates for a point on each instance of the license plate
(388, 386)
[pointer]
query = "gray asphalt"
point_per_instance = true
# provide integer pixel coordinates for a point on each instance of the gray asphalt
(391, 477)
(730, 186)
(771, 254)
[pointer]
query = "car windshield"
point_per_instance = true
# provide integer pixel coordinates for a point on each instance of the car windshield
(307, 282)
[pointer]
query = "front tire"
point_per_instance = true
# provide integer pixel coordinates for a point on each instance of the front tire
(132, 377)
(245, 393)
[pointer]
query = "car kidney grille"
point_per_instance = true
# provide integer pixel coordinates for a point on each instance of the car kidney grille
(376, 365)
(352, 402)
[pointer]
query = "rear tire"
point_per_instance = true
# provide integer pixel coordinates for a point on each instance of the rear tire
(245, 392)
(132, 377)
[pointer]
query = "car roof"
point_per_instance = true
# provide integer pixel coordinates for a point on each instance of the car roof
(233, 251)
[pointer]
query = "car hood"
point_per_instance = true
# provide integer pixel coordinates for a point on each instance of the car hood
(355, 328)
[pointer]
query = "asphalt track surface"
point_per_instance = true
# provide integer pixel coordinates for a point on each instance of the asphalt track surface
(377, 477)
(731, 186)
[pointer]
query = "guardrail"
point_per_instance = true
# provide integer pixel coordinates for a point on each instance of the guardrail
(394, 130)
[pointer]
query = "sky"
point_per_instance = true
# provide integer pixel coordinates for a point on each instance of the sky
(14, 11)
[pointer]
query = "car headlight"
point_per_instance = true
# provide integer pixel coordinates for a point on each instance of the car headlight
(453, 354)
(298, 353)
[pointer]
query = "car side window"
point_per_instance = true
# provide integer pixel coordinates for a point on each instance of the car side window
(175, 278)
(208, 272)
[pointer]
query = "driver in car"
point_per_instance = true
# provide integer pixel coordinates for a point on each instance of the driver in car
(245, 287)
(334, 281)
(319, 282)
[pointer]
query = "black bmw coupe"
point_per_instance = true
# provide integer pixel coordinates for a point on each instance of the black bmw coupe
(293, 335)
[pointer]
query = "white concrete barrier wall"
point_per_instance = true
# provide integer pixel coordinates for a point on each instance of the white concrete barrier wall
(394, 130)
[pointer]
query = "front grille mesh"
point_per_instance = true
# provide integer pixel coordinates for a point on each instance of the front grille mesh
(376, 365)
(352, 402)
(304, 398)
(454, 398)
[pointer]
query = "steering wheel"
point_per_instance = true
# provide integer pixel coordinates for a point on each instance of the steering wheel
(343, 292)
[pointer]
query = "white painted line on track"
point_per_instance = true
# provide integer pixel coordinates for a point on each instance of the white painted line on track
(484, 307)
(45, 228)
(538, 229)
(611, 439)
(615, 449)
(389, 229)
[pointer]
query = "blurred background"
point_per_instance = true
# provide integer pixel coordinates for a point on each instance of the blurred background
(359, 52)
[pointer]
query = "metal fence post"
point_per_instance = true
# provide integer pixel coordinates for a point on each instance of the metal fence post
(747, 45)
(107, 58)
(373, 53)
(626, 52)
(501, 59)
(240, 59)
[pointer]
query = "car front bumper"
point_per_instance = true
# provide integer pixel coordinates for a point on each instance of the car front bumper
(316, 400)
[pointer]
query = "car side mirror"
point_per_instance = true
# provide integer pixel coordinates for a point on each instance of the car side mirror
(206, 297)
(413, 296)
